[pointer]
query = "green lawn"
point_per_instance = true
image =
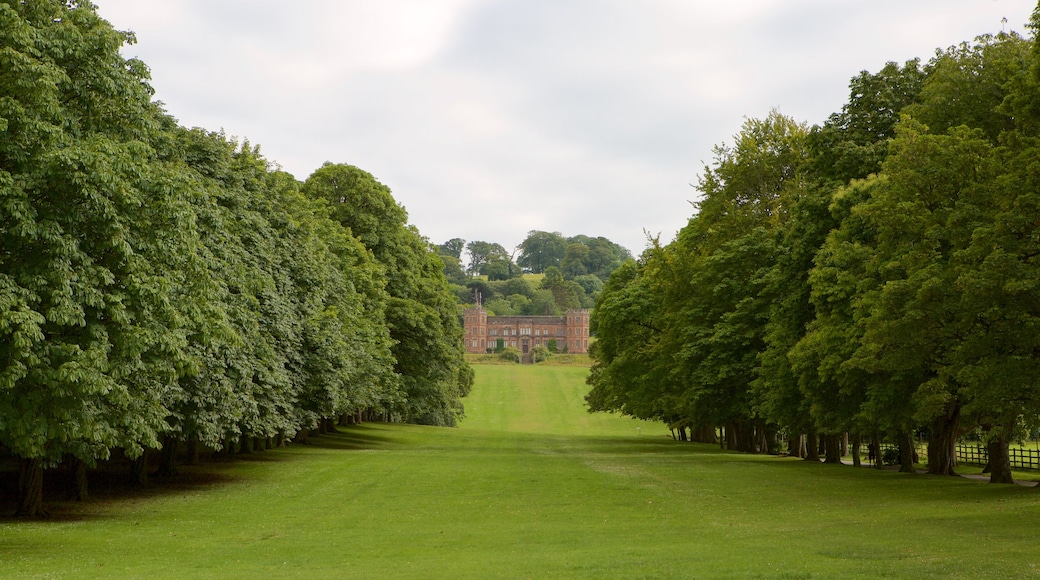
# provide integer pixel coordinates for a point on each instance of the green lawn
(532, 486)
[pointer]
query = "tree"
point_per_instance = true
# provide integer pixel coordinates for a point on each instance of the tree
(453, 270)
(777, 389)
(563, 295)
(453, 248)
(627, 374)
(853, 143)
(967, 85)
(574, 261)
(89, 341)
(420, 312)
(541, 250)
(499, 269)
(483, 253)
(679, 336)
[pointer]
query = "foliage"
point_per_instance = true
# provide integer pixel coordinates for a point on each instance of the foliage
(160, 285)
(510, 353)
(874, 276)
(540, 250)
(420, 313)
(540, 353)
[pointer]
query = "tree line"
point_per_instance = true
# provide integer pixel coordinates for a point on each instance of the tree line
(877, 275)
(573, 270)
(163, 287)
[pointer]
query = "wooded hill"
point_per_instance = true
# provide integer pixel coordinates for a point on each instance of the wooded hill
(877, 275)
(162, 286)
(572, 271)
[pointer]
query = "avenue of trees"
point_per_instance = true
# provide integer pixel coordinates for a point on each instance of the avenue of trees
(165, 288)
(573, 272)
(877, 275)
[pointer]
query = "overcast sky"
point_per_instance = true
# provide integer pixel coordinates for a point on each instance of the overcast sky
(490, 118)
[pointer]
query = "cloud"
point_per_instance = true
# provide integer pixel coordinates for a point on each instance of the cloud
(490, 118)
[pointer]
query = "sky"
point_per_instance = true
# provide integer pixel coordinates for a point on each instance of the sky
(492, 118)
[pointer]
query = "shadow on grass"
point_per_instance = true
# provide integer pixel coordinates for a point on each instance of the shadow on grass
(110, 486)
(367, 437)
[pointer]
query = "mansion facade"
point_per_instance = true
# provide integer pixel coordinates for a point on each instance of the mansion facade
(569, 332)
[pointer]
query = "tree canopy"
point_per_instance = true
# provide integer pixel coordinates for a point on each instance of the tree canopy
(875, 275)
(163, 286)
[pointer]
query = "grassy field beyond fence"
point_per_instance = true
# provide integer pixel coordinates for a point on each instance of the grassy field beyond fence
(532, 486)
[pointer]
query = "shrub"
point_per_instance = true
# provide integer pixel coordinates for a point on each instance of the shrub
(540, 353)
(510, 353)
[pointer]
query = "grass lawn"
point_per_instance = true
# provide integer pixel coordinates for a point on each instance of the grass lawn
(532, 486)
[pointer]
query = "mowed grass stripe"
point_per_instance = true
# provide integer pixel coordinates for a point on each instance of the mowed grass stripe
(532, 486)
(547, 400)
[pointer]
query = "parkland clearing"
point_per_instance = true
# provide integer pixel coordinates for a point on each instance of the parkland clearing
(209, 368)
(531, 485)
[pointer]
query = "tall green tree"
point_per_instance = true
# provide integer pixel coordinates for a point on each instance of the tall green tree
(853, 143)
(482, 254)
(89, 341)
(420, 312)
(540, 250)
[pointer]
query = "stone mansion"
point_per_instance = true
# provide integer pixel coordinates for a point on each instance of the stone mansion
(571, 331)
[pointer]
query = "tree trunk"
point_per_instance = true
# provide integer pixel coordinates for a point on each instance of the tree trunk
(942, 441)
(875, 442)
(812, 451)
(77, 479)
(168, 458)
(832, 449)
(906, 452)
(794, 445)
(30, 489)
(845, 444)
(139, 470)
(731, 436)
(771, 440)
(246, 445)
(193, 452)
(857, 443)
(748, 436)
(703, 434)
(999, 459)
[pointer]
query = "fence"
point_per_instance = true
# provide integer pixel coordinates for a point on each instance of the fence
(978, 455)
